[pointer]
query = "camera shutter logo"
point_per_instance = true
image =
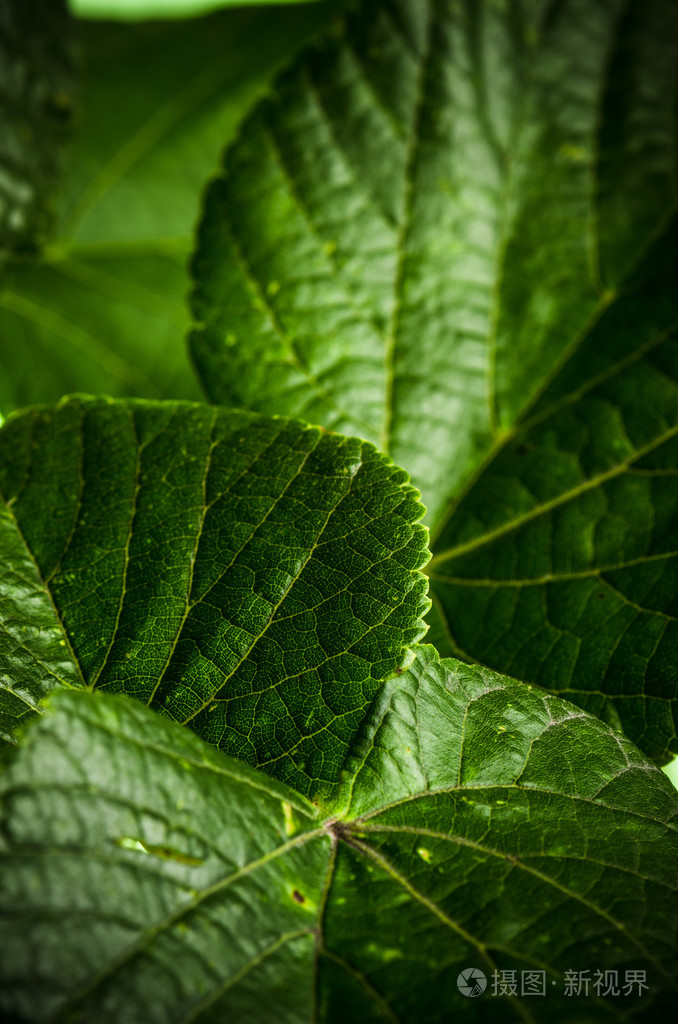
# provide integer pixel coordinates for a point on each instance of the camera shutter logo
(471, 982)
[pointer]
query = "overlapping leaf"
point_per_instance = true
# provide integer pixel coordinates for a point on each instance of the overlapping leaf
(171, 890)
(254, 578)
(453, 231)
(36, 105)
(478, 824)
(105, 311)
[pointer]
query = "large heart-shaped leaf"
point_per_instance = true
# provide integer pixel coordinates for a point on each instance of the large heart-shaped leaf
(453, 231)
(36, 99)
(254, 578)
(479, 825)
(105, 310)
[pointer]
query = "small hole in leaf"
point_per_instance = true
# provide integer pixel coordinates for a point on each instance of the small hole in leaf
(297, 897)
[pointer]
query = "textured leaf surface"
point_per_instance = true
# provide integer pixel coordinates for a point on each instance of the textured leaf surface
(36, 104)
(452, 230)
(165, 875)
(34, 649)
(105, 312)
(251, 577)
(147, 877)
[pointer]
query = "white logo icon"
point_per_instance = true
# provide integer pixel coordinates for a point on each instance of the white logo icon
(471, 982)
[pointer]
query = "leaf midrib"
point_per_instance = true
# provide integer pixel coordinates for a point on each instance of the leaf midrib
(148, 936)
(482, 947)
(219, 991)
(267, 310)
(548, 506)
(461, 788)
(285, 592)
(519, 861)
(557, 577)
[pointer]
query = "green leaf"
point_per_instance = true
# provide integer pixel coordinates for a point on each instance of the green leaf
(171, 880)
(135, 10)
(105, 311)
(252, 577)
(36, 99)
(35, 656)
(147, 877)
(453, 231)
(671, 770)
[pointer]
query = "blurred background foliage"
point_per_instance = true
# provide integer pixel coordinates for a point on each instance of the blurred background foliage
(103, 309)
(139, 9)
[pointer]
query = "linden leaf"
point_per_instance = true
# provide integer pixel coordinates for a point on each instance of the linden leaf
(254, 578)
(483, 827)
(452, 230)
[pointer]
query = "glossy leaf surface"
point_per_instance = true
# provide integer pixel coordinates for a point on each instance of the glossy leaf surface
(453, 231)
(251, 577)
(483, 825)
(36, 100)
(105, 310)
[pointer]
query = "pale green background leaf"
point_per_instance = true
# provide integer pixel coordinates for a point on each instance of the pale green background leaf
(254, 578)
(136, 10)
(105, 311)
(484, 825)
(671, 770)
(452, 230)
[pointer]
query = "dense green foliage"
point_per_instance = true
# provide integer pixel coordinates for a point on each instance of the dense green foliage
(443, 847)
(444, 241)
(328, 288)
